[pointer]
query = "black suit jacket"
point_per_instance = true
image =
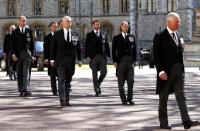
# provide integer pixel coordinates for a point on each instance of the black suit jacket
(120, 46)
(57, 49)
(7, 44)
(19, 40)
(164, 50)
(96, 45)
(47, 45)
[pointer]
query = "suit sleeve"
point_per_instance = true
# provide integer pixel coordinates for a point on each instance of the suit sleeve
(157, 53)
(107, 48)
(135, 51)
(114, 50)
(87, 46)
(13, 45)
(78, 50)
(45, 46)
(5, 44)
(53, 47)
(32, 44)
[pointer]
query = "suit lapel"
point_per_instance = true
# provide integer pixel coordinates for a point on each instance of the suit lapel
(170, 39)
(63, 36)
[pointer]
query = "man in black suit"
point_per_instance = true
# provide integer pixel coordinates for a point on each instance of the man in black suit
(10, 65)
(124, 58)
(64, 48)
(96, 51)
(168, 59)
(22, 52)
(47, 44)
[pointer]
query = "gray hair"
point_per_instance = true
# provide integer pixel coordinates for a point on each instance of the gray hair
(124, 22)
(22, 16)
(67, 18)
(12, 27)
(172, 15)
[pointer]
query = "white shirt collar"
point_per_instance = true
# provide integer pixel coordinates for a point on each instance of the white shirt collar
(124, 34)
(52, 33)
(170, 31)
(65, 29)
(95, 31)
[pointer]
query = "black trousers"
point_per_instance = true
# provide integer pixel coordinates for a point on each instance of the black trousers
(176, 81)
(65, 72)
(23, 67)
(125, 71)
(53, 75)
(98, 63)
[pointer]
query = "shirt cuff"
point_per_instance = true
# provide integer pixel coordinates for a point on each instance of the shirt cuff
(162, 72)
(52, 61)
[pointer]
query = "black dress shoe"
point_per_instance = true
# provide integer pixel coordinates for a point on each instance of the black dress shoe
(97, 94)
(21, 94)
(62, 103)
(27, 93)
(165, 127)
(124, 103)
(189, 124)
(131, 102)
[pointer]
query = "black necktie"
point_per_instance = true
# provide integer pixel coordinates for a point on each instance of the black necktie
(173, 35)
(22, 31)
(67, 36)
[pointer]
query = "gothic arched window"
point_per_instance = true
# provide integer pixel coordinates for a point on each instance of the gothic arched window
(125, 6)
(151, 6)
(63, 6)
(11, 7)
(171, 5)
(106, 6)
(37, 7)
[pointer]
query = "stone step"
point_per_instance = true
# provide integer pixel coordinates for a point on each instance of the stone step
(192, 47)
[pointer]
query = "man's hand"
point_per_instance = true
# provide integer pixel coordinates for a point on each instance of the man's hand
(32, 59)
(115, 64)
(14, 57)
(4, 56)
(52, 63)
(163, 76)
(79, 63)
(46, 62)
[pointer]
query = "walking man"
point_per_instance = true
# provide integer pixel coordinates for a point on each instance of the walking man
(168, 59)
(22, 52)
(51, 70)
(64, 48)
(96, 51)
(124, 58)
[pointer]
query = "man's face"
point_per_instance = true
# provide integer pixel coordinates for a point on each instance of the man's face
(96, 25)
(53, 27)
(22, 22)
(61, 25)
(124, 27)
(67, 23)
(174, 24)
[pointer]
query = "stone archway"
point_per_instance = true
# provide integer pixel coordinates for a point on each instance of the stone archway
(108, 28)
(39, 30)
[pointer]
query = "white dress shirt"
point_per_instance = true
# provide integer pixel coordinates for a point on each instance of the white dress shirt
(95, 31)
(124, 35)
(65, 34)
